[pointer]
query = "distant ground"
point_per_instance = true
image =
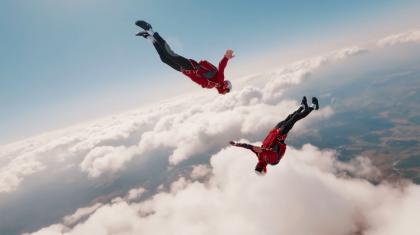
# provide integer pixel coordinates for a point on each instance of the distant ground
(378, 117)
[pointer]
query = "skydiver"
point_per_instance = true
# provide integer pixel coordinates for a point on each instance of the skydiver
(203, 73)
(273, 147)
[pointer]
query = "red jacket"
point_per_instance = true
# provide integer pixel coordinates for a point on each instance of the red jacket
(274, 149)
(206, 74)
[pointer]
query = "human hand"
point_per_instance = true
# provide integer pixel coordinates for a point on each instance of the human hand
(229, 54)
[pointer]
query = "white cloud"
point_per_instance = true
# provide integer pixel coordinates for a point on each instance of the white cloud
(106, 159)
(135, 193)
(13, 173)
(179, 185)
(361, 167)
(27, 157)
(55, 229)
(406, 37)
(299, 71)
(81, 213)
(200, 171)
(304, 194)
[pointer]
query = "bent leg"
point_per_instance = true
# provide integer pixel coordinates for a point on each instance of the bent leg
(287, 125)
(165, 51)
(280, 124)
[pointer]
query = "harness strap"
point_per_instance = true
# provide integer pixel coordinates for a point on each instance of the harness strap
(196, 67)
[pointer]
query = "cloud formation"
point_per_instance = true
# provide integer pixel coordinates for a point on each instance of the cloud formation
(406, 37)
(13, 173)
(307, 193)
(80, 214)
(106, 159)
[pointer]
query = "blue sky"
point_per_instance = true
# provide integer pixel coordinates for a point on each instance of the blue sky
(63, 62)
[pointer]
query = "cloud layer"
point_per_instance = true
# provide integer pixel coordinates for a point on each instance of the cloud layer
(309, 192)
(406, 37)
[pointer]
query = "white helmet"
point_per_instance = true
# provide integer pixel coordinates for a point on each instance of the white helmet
(228, 86)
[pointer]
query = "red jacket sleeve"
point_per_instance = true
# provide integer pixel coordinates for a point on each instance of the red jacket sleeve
(222, 66)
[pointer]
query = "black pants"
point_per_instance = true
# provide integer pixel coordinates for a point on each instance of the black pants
(286, 125)
(169, 57)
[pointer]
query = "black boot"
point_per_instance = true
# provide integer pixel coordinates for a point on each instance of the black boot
(143, 34)
(304, 103)
(315, 103)
(144, 25)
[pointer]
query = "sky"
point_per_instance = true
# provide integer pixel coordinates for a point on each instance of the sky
(63, 62)
(170, 163)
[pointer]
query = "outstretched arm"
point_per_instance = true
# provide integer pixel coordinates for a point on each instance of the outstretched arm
(253, 148)
(222, 64)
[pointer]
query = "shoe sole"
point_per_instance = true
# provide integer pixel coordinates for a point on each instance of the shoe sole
(143, 24)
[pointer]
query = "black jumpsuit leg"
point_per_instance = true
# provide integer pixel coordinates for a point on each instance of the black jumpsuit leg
(169, 57)
(286, 125)
(280, 124)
